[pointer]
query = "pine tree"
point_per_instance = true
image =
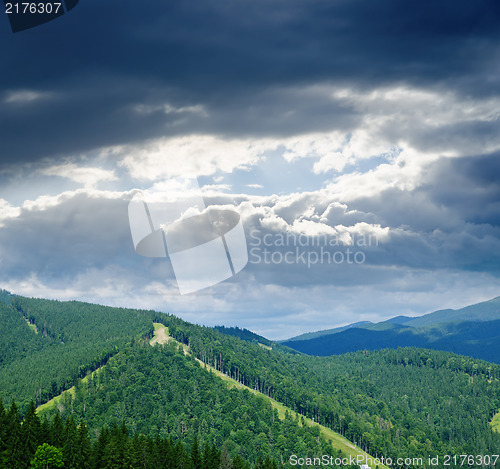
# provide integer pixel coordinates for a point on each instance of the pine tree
(160, 448)
(30, 433)
(100, 448)
(84, 447)
(170, 453)
(13, 457)
(117, 450)
(206, 462)
(57, 431)
(196, 458)
(238, 463)
(3, 429)
(149, 453)
(137, 446)
(182, 460)
(70, 448)
(211, 457)
(45, 431)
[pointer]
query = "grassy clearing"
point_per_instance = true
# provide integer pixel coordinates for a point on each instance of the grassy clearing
(267, 347)
(31, 326)
(160, 335)
(495, 422)
(58, 400)
(338, 441)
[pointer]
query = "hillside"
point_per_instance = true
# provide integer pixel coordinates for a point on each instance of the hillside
(244, 334)
(326, 388)
(212, 390)
(392, 403)
(45, 345)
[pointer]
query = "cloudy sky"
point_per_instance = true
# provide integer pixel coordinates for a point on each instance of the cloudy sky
(358, 140)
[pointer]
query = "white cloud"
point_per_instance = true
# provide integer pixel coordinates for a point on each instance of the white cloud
(8, 211)
(167, 108)
(190, 156)
(26, 96)
(88, 176)
(45, 202)
(405, 172)
(215, 189)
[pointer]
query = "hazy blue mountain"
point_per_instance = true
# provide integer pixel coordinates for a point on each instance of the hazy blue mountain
(400, 319)
(313, 335)
(484, 311)
(473, 331)
(474, 339)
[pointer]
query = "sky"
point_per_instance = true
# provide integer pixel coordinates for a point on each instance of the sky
(358, 141)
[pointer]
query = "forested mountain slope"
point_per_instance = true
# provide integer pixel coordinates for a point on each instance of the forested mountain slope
(394, 403)
(244, 334)
(484, 311)
(374, 398)
(336, 330)
(67, 340)
(72, 399)
(161, 391)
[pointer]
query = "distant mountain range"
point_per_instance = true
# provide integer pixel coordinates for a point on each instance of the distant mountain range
(314, 335)
(473, 331)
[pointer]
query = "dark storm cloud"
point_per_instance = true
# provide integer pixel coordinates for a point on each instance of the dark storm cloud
(450, 221)
(103, 58)
(469, 186)
(63, 240)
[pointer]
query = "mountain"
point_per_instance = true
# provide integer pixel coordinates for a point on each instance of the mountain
(400, 319)
(484, 311)
(474, 339)
(314, 335)
(199, 388)
(473, 331)
(46, 344)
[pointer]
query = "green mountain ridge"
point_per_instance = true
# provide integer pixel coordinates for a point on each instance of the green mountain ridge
(484, 311)
(315, 334)
(393, 403)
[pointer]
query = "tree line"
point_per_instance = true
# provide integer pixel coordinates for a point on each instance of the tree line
(45, 444)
